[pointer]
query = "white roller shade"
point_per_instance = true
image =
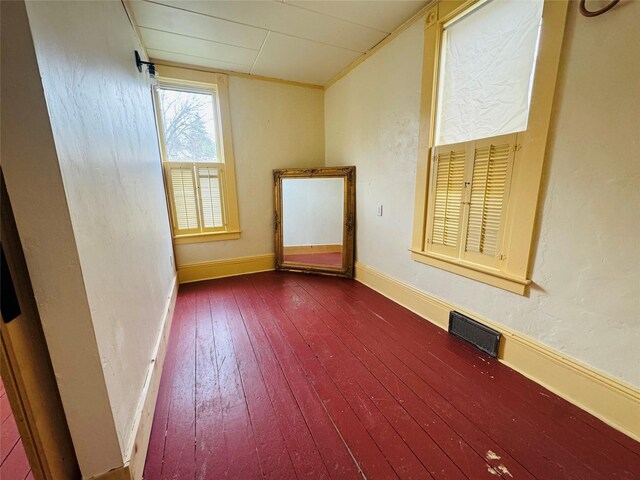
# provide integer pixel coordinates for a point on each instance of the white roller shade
(486, 73)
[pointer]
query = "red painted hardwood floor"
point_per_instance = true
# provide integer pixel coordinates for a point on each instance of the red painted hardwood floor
(14, 464)
(284, 376)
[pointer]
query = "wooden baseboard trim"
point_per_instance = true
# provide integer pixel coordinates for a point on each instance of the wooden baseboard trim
(136, 452)
(120, 473)
(308, 249)
(605, 397)
(229, 267)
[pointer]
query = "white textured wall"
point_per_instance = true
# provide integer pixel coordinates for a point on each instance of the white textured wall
(585, 301)
(102, 122)
(34, 183)
(274, 125)
(312, 211)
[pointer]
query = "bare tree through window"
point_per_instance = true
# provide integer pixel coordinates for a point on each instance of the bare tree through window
(189, 126)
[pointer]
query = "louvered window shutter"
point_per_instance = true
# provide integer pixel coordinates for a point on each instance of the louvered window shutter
(211, 203)
(447, 195)
(490, 181)
(468, 199)
(183, 197)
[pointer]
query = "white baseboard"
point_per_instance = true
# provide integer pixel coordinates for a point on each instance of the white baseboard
(138, 444)
(137, 451)
(605, 397)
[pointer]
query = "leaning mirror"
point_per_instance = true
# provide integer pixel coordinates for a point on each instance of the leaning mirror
(315, 219)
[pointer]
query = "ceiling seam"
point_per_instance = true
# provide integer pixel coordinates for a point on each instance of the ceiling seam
(259, 51)
(336, 18)
(197, 56)
(254, 26)
(199, 38)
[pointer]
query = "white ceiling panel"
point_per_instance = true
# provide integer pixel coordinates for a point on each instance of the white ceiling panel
(173, 20)
(384, 15)
(287, 19)
(196, 61)
(300, 60)
(170, 42)
(307, 41)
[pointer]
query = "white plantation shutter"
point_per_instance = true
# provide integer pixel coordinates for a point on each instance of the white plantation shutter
(448, 187)
(209, 182)
(491, 172)
(183, 198)
(470, 194)
(196, 192)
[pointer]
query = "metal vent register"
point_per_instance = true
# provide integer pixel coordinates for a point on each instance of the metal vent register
(485, 338)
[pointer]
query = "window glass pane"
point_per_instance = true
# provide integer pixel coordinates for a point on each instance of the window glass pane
(486, 72)
(189, 122)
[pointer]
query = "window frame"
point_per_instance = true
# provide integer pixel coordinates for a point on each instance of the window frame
(512, 272)
(216, 84)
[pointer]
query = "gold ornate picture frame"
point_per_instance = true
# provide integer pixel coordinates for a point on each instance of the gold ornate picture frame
(348, 237)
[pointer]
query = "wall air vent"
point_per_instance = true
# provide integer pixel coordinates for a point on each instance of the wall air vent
(485, 338)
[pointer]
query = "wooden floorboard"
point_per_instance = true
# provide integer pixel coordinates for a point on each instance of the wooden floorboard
(284, 376)
(513, 393)
(14, 463)
(306, 405)
(9, 436)
(179, 454)
(209, 432)
(357, 438)
(572, 417)
(293, 426)
(273, 453)
(502, 407)
(353, 382)
(430, 410)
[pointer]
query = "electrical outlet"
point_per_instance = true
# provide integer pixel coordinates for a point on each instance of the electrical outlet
(379, 212)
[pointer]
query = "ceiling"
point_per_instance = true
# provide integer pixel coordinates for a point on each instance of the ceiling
(307, 41)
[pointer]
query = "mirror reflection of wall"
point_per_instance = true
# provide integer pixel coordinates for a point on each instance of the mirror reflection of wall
(312, 220)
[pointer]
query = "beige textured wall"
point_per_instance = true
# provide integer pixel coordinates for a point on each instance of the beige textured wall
(274, 125)
(84, 177)
(585, 302)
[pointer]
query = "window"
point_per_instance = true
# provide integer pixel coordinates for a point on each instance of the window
(489, 76)
(198, 159)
